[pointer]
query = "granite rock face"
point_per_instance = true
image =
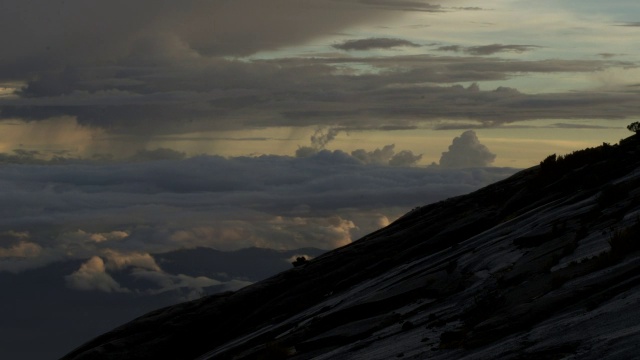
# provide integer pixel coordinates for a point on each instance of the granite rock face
(545, 264)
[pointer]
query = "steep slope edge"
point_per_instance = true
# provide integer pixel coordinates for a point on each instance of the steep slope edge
(543, 264)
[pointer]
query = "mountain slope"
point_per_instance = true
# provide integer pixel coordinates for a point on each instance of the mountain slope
(543, 264)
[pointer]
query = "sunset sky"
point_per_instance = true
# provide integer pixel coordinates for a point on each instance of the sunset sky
(132, 127)
(251, 77)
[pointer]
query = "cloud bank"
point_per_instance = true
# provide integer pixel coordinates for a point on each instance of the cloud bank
(122, 212)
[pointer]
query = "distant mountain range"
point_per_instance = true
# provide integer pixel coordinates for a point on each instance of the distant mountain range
(543, 265)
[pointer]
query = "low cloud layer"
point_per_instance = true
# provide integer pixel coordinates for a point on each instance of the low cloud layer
(122, 212)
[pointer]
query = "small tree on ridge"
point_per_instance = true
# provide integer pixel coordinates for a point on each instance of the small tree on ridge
(634, 127)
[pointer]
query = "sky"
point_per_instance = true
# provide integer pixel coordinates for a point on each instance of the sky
(129, 128)
(250, 77)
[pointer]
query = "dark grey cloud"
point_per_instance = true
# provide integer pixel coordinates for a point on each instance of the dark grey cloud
(405, 5)
(373, 43)
(488, 49)
(166, 90)
(46, 34)
(466, 151)
(454, 48)
(497, 48)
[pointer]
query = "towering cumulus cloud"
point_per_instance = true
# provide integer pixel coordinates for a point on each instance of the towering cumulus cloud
(466, 151)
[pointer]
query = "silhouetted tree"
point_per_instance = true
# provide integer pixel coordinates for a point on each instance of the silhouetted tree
(301, 260)
(635, 127)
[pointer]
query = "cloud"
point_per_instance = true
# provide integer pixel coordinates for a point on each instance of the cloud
(333, 231)
(319, 140)
(21, 252)
(466, 151)
(121, 261)
(81, 236)
(23, 249)
(488, 49)
(373, 43)
(202, 68)
(157, 154)
(630, 24)
(92, 276)
(454, 48)
(185, 97)
(142, 276)
(404, 5)
(211, 28)
(577, 126)
(377, 156)
(386, 156)
(404, 158)
(124, 212)
(277, 232)
(167, 282)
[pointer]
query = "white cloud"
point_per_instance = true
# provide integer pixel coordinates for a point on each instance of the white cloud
(330, 232)
(23, 249)
(91, 276)
(80, 236)
(170, 282)
(466, 151)
(120, 261)
(192, 286)
(24, 254)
